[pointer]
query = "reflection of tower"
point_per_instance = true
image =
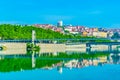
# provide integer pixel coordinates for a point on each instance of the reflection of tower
(60, 23)
(33, 60)
(60, 70)
(33, 54)
(110, 60)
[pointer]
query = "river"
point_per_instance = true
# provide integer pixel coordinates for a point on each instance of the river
(60, 62)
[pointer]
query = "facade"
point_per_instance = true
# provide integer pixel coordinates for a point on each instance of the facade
(85, 33)
(60, 23)
(82, 30)
(74, 32)
(100, 34)
(68, 29)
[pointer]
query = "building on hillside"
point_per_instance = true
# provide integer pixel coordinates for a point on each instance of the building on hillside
(68, 29)
(85, 33)
(100, 34)
(95, 29)
(60, 23)
(59, 30)
(46, 26)
(74, 32)
(110, 34)
(90, 33)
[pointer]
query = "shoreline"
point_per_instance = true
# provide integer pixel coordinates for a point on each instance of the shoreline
(20, 48)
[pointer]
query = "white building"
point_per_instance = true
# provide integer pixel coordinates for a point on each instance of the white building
(60, 23)
(68, 29)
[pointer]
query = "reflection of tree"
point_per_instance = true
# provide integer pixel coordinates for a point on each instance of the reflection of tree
(116, 59)
(24, 63)
(16, 64)
(116, 35)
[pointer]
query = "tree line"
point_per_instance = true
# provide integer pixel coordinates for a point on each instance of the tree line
(16, 32)
(8, 31)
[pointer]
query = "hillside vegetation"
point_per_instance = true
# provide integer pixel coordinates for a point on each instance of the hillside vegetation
(8, 31)
(15, 32)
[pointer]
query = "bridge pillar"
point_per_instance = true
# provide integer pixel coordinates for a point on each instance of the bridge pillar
(88, 47)
(109, 48)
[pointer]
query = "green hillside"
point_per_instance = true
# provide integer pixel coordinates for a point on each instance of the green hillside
(15, 32)
(8, 31)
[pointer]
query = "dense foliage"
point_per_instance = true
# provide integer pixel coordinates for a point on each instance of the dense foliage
(18, 64)
(8, 31)
(32, 48)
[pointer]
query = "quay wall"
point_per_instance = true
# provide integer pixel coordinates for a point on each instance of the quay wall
(20, 48)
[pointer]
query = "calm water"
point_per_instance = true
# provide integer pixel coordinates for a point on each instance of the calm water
(99, 68)
(105, 67)
(106, 72)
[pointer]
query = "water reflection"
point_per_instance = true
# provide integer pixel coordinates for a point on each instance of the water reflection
(60, 61)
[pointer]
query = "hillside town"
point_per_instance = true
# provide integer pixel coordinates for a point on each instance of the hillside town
(81, 30)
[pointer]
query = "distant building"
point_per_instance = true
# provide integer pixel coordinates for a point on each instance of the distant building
(59, 30)
(85, 33)
(95, 29)
(60, 23)
(68, 29)
(100, 34)
(74, 32)
(110, 34)
(100, 29)
(45, 26)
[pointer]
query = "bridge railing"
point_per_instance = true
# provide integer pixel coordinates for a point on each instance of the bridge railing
(59, 40)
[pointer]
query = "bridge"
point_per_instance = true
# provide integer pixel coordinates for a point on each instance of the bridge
(88, 45)
(48, 40)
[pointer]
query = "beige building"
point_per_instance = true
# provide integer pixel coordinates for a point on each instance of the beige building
(85, 33)
(100, 34)
(95, 29)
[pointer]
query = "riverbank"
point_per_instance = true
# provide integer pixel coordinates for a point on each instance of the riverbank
(20, 48)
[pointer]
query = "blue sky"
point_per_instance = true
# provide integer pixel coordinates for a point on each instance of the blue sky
(101, 13)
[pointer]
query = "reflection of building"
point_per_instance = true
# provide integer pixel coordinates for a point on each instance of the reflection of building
(103, 59)
(95, 62)
(114, 58)
(71, 63)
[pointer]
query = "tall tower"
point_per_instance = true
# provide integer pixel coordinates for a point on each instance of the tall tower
(60, 23)
(33, 36)
(33, 53)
